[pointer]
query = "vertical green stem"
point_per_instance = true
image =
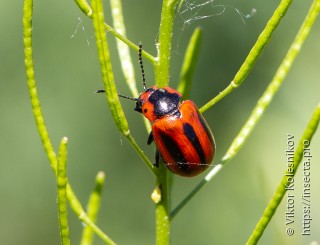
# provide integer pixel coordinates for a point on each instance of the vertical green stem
(162, 208)
(162, 79)
(62, 197)
(164, 44)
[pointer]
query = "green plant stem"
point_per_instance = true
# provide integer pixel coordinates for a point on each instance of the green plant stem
(287, 178)
(164, 45)
(93, 209)
(79, 211)
(27, 41)
(162, 79)
(141, 154)
(40, 123)
(84, 7)
(189, 63)
(254, 54)
(180, 4)
(62, 198)
(275, 84)
(162, 208)
(124, 52)
(106, 68)
(108, 79)
(262, 104)
(195, 190)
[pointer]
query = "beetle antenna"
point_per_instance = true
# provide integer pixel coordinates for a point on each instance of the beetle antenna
(122, 96)
(141, 67)
(99, 91)
(128, 97)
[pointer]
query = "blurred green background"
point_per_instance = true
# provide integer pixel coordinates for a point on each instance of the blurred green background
(67, 73)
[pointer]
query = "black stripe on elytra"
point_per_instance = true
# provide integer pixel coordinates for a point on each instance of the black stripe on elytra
(193, 138)
(207, 129)
(174, 150)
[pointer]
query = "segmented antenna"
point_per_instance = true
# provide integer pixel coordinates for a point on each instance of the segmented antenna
(128, 97)
(141, 67)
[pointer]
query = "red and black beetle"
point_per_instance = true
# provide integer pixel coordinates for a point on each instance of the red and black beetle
(183, 138)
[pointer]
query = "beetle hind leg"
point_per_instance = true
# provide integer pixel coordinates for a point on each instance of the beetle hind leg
(157, 158)
(157, 155)
(150, 138)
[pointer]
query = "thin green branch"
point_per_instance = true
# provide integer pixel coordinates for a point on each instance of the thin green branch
(286, 181)
(37, 113)
(194, 191)
(180, 4)
(135, 47)
(262, 104)
(254, 54)
(141, 154)
(86, 9)
(93, 209)
(62, 198)
(189, 63)
(79, 211)
(274, 86)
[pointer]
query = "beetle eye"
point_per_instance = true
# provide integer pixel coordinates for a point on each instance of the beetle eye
(138, 107)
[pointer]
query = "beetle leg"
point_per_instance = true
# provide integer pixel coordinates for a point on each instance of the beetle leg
(157, 158)
(150, 138)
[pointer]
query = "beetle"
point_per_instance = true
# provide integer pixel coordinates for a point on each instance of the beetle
(182, 136)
